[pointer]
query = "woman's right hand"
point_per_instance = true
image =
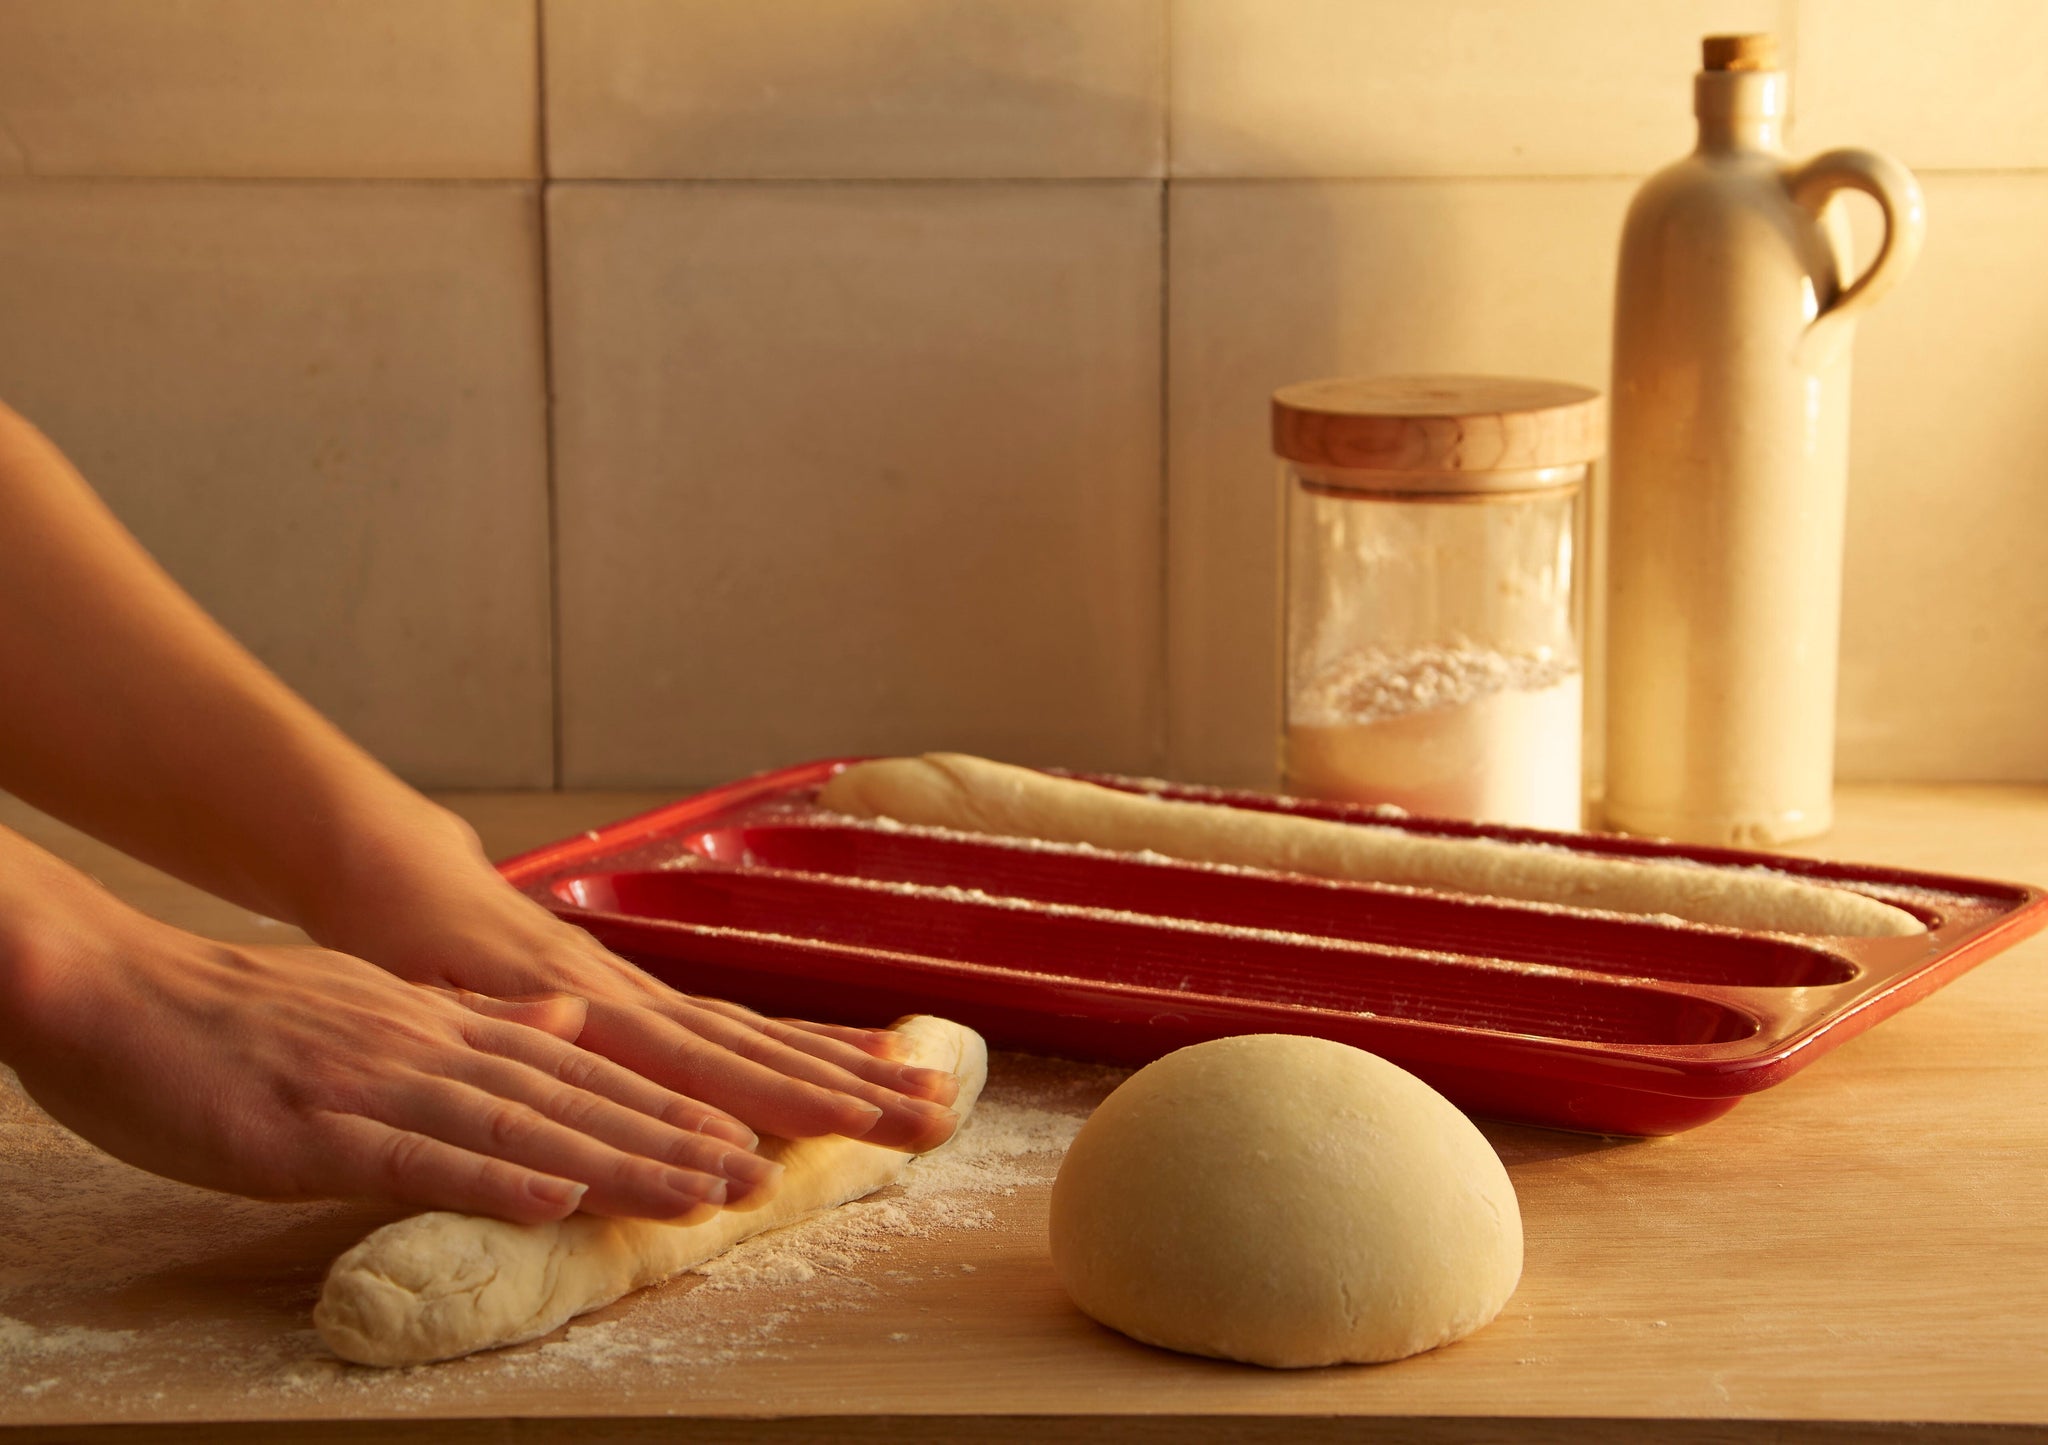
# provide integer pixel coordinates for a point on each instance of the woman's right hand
(300, 1073)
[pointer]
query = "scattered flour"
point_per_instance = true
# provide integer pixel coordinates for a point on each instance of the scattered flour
(26, 1346)
(748, 1304)
(941, 1193)
(19, 1340)
(239, 1346)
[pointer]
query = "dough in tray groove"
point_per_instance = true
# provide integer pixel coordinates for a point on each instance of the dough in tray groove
(974, 795)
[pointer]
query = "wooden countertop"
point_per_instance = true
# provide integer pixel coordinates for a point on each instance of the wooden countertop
(1862, 1249)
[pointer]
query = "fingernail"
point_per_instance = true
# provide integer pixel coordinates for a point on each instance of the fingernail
(926, 1109)
(931, 1080)
(750, 1169)
(863, 1127)
(556, 1193)
(695, 1188)
(730, 1130)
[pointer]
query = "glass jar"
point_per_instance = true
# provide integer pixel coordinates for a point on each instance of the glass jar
(1433, 618)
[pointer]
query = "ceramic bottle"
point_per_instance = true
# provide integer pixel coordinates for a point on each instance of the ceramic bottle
(1735, 308)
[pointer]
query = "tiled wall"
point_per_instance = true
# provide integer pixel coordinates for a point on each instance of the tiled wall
(908, 358)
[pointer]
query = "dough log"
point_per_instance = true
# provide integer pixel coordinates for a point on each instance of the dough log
(950, 790)
(440, 1285)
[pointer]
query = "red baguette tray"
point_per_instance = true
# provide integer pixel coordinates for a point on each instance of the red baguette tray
(1571, 1018)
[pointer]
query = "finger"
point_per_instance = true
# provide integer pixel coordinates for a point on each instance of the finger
(368, 1159)
(866, 1054)
(869, 1055)
(906, 1123)
(882, 1043)
(559, 1014)
(934, 1084)
(581, 1069)
(650, 1043)
(620, 1184)
(630, 1131)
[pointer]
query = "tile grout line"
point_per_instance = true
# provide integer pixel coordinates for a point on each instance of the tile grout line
(1352, 178)
(556, 709)
(1162, 728)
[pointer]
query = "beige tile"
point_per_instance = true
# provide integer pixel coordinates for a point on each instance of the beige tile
(1960, 84)
(400, 88)
(1945, 631)
(884, 88)
(1274, 282)
(321, 406)
(855, 469)
(1460, 87)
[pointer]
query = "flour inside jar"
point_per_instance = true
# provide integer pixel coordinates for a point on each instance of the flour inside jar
(1459, 732)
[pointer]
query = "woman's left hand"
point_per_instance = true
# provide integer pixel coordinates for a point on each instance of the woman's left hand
(435, 911)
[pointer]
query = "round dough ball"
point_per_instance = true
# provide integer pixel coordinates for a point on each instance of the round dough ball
(1284, 1201)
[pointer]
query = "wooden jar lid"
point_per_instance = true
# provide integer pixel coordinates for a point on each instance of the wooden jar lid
(1739, 52)
(1457, 424)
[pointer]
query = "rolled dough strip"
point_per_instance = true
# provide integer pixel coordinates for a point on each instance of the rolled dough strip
(440, 1285)
(950, 790)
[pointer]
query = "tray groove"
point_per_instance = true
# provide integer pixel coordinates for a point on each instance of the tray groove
(1358, 912)
(1097, 946)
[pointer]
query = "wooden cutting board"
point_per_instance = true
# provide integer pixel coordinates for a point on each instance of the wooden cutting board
(1866, 1244)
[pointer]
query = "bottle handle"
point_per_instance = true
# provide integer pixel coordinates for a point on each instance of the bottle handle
(1897, 194)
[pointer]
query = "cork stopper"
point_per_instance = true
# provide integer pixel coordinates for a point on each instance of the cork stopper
(1739, 52)
(1461, 425)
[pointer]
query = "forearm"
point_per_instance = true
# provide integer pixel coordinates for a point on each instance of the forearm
(134, 716)
(131, 714)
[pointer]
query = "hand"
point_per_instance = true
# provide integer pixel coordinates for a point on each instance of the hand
(153, 730)
(431, 909)
(297, 1073)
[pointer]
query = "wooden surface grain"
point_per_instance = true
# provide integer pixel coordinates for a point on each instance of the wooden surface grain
(1861, 1251)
